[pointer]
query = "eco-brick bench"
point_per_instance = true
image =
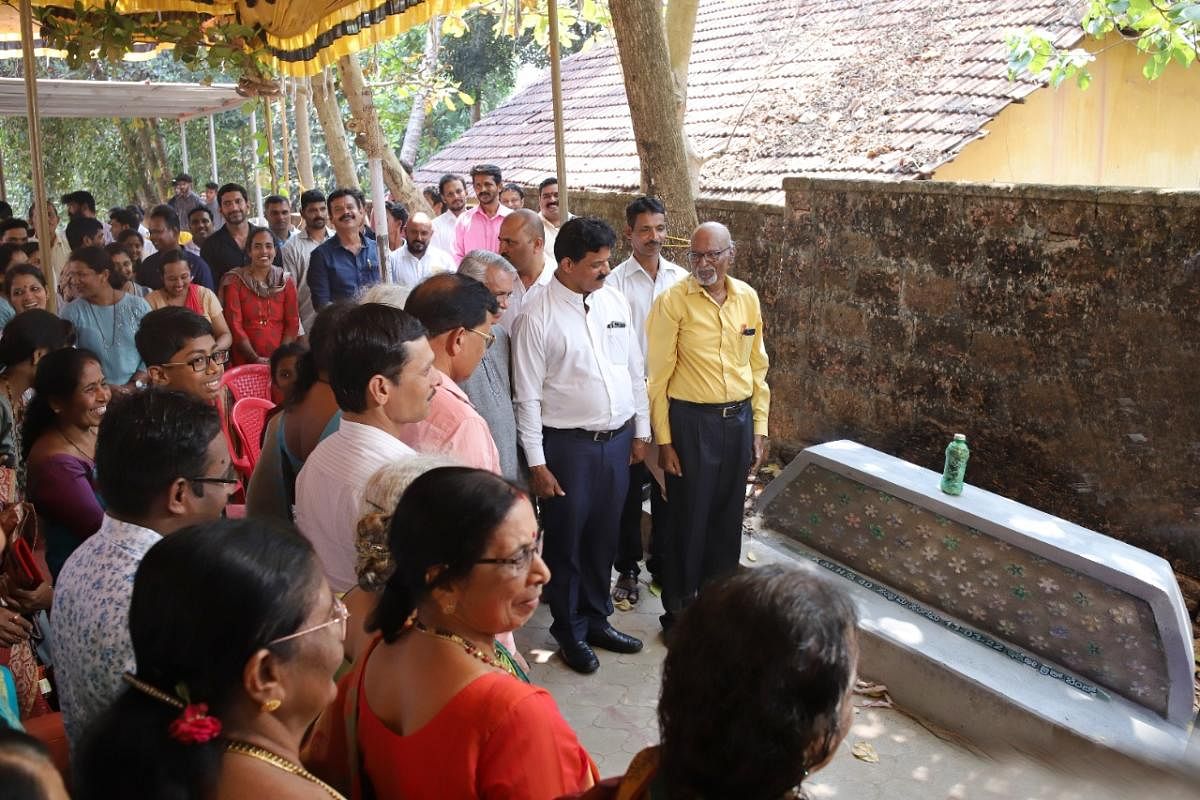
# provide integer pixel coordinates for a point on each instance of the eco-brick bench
(988, 617)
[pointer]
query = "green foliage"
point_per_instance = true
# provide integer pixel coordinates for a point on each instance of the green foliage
(1162, 30)
(200, 40)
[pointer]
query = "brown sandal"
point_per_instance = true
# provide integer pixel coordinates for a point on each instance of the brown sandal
(626, 594)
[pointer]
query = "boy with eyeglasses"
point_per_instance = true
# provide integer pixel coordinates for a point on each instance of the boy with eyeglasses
(180, 352)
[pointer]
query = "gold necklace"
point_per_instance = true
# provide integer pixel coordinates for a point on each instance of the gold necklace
(471, 649)
(279, 762)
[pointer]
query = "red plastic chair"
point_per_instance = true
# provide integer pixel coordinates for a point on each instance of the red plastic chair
(248, 420)
(248, 380)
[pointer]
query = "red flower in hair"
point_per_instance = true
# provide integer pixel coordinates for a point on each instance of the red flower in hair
(195, 726)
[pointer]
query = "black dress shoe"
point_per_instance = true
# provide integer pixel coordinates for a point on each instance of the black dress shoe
(579, 657)
(612, 639)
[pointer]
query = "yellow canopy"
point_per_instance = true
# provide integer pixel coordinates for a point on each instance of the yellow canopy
(303, 36)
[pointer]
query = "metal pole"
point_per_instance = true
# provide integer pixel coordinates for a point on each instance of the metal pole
(38, 190)
(183, 145)
(3, 187)
(560, 144)
(212, 145)
(254, 160)
(380, 220)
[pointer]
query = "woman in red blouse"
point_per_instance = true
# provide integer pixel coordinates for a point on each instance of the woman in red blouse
(260, 302)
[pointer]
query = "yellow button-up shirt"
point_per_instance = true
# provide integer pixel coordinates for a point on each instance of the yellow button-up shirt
(702, 352)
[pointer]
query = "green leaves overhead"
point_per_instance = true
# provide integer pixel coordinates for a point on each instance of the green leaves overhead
(1163, 31)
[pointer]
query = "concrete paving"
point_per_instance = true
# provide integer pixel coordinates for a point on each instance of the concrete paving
(614, 714)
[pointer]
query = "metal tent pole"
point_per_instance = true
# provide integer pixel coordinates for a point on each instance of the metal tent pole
(212, 145)
(38, 190)
(183, 145)
(560, 145)
(254, 161)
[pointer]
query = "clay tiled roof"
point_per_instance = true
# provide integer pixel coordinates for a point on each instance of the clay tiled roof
(890, 89)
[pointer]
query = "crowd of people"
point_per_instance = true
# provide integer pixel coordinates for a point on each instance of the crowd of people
(463, 427)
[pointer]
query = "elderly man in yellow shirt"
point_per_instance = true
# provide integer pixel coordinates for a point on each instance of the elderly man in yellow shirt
(709, 401)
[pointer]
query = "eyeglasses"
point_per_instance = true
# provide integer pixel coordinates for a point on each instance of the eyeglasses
(490, 338)
(695, 257)
(199, 363)
(523, 560)
(339, 616)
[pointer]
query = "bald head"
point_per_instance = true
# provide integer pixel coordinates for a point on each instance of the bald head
(523, 241)
(711, 254)
(417, 232)
(713, 232)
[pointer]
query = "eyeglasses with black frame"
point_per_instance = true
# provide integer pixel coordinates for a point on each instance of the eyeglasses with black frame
(696, 257)
(200, 362)
(523, 560)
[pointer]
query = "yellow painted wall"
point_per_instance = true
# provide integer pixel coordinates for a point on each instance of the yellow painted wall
(1122, 131)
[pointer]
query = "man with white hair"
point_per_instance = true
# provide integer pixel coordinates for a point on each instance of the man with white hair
(490, 387)
(417, 259)
(709, 401)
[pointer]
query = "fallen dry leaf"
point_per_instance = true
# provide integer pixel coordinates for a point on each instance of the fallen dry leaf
(865, 751)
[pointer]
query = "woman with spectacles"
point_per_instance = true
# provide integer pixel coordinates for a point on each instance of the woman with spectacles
(436, 708)
(237, 637)
(179, 290)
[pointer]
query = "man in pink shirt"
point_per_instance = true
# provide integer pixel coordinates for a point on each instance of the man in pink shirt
(478, 228)
(457, 312)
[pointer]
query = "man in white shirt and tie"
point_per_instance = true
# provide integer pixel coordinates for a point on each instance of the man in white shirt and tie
(642, 278)
(417, 259)
(382, 378)
(582, 418)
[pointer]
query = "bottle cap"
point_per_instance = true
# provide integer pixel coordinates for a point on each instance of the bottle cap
(960, 437)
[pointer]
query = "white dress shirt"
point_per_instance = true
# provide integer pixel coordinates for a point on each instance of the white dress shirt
(576, 366)
(329, 494)
(632, 280)
(408, 270)
(443, 232)
(295, 255)
(551, 232)
(522, 296)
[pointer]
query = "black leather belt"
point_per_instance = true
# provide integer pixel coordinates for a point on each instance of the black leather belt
(724, 410)
(595, 436)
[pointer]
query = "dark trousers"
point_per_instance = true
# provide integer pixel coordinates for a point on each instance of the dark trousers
(629, 543)
(707, 502)
(581, 527)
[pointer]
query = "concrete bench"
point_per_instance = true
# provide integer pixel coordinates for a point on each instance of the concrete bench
(981, 611)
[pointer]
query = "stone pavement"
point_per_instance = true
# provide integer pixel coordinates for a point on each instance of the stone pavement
(614, 714)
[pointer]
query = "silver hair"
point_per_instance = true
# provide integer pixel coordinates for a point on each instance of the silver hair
(475, 264)
(389, 294)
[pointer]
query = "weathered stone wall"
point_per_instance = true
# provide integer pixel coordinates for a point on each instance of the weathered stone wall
(1056, 327)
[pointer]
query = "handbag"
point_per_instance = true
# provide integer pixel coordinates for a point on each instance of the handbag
(18, 525)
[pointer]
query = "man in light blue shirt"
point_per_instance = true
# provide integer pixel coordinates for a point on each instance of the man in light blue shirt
(348, 262)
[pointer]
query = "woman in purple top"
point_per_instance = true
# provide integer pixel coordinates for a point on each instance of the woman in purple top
(70, 398)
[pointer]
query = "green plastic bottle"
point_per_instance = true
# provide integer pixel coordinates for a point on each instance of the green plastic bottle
(957, 454)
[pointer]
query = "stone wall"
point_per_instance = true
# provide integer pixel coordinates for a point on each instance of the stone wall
(1055, 326)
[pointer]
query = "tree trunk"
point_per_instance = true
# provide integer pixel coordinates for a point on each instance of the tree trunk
(369, 136)
(330, 117)
(657, 129)
(139, 168)
(303, 140)
(680, 30)
(158, 149)
(416, 117)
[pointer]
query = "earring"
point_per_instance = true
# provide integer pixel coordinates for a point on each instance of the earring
(271, 705)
